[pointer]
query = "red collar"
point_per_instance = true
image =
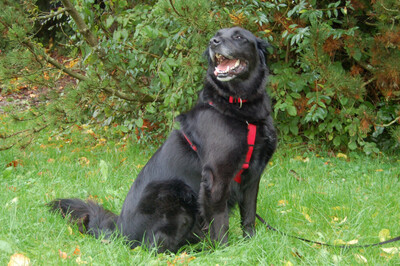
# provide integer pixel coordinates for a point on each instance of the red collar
(236, 100)
(251, 138)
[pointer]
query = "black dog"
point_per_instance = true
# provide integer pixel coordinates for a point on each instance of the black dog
(204, 169)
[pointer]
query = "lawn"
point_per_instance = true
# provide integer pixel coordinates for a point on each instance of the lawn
(324, 196)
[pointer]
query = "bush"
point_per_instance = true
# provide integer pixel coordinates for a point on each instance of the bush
(334, 71)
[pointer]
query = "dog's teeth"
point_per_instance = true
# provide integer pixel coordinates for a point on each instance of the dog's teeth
(237, 63)
(227, 70)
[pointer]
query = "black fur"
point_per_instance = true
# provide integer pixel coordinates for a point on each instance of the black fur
(181, 193)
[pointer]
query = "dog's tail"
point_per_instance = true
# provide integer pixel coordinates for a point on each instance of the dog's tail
(90, 217)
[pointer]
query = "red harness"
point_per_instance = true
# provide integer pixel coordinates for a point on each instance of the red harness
(251, 138)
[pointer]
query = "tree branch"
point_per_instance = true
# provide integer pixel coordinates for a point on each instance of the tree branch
(52, 14)
(80, 23)
(55, 62)
(173, 7)
(391, 123)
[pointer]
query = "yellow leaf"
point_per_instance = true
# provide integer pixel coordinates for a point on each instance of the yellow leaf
(379, 170)
(69, 230)
(343, 221)
(342, 242)
(338, 242)
(288, 263)
(80, 261)
(298, 158)
(392, 251)
(305, 214)
(384, 235)
(341, 155)
(19, 260)
(360, 258)
(352, 242)
(282, 202)
(84, 161)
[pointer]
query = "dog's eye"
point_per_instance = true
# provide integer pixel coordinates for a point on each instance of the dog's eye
(238, 37)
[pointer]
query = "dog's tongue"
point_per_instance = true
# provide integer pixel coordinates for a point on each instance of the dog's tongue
(225, 66)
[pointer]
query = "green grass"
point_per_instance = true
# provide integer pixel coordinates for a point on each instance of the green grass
(318, 196)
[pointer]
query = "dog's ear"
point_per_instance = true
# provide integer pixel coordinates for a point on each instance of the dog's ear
(264, 49)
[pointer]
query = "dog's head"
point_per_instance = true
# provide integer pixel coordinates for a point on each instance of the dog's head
(234, 53)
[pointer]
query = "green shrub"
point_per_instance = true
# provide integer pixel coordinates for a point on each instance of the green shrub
(334, 68)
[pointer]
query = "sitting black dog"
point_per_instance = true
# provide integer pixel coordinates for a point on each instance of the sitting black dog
(202, 170)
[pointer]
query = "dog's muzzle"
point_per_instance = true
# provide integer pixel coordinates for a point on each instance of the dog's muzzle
(227, 67)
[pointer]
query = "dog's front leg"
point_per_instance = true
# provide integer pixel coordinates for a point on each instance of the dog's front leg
(213, 197)
(247, 207)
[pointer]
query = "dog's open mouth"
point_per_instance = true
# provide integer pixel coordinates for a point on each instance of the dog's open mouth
(227, 68)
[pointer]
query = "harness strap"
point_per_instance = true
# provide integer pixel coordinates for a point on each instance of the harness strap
(251, 137)
(190, 143)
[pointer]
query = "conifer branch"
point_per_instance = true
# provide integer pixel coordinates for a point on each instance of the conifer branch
(92, 41)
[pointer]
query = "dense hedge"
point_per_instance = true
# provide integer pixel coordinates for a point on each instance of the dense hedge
(335, 69)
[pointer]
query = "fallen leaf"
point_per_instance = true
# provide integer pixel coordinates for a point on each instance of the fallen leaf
(288, 263)
(282, 202)
(19, 260)
(14, 163)
(306, 215)
(379, 170)
(80, 261)
(62, 254)
(360, 258)
(384, 235)
(77, 251)
(352, 242)
(393, 250)
(102, 141)
(298, 158)
(343, 221)
(339, 242)
(84, 161)
(14, 200)
(341, 155)
(183, 258)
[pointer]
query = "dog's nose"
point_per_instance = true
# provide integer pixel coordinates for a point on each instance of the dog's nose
(215, 41)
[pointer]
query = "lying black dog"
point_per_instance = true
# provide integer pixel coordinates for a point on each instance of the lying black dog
(204, 169)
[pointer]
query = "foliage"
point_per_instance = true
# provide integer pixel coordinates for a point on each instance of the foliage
(335, 76)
